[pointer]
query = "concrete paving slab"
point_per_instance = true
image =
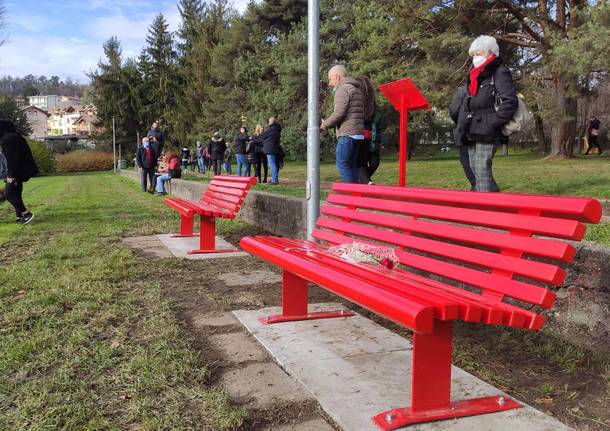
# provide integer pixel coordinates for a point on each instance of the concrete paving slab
(201, 320)
(261, 384)
(317, 424)
(180, 247)
(250, 278)
(238, 347)
(357, 369)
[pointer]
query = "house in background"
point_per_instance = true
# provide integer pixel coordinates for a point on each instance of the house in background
(88, 123)
(61, 121)
(44, 102)
(38, 119)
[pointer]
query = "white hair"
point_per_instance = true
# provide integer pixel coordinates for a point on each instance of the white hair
(484, 43)
(338, 69)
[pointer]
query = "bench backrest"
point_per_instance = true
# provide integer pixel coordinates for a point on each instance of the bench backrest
(227, 192)
(497, 244)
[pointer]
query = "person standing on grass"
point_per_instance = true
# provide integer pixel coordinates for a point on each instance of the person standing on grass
(20, 167)
(490, 102)
(348, 118)
(260, 158)
(272, 149)
(199, 153)
(217, 147)
(146, 159)
(156, 137)
(459, 115)
(172, 170)
(593, 135)
(186, 154)
(240, 144)
(377, 143)
(3, 174)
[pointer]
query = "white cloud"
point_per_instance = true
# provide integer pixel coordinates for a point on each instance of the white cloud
(31, 23)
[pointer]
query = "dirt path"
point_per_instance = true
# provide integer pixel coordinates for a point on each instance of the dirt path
(551, 376)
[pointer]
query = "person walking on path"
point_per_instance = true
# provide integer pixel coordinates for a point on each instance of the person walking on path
(20, 167)
(458, 104)
(146, 159)
(228, 160)
(348, 118)
(260, 157)
(216, 148)
(156, 137)
(593, 135)
(272, 149)
(186, 155)
(370, 107)
(199, 153)
(377, 143)
(239, 146)
(490, 102)
(172, 170)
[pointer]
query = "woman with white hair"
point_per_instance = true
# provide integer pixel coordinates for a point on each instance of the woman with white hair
(480, 109)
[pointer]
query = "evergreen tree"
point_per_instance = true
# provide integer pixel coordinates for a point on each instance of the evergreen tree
(10, 111)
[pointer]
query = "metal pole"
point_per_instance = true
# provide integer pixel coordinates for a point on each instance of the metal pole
(312, 186)
(402, 150)
(113, 147)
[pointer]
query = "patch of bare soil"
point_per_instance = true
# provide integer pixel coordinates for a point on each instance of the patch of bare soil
(554, 377)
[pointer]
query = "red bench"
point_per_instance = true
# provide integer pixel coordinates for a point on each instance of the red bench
(222, 199)
(476, 257)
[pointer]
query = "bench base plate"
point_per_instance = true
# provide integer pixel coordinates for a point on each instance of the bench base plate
(180, 235)
(214, 251)
(398, 418)
(279, 318)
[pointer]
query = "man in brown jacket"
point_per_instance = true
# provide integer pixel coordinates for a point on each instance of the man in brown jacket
(348, 118)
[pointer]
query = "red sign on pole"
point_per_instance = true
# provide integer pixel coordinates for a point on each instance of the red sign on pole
(405, 97)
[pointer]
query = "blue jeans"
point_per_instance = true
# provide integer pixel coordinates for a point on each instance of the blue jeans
(227, 166)
(242, 162)
(201, 163)
(271, 159)
(161, 182)
(347, 159)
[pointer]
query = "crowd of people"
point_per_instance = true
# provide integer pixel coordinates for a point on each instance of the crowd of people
(255, 154)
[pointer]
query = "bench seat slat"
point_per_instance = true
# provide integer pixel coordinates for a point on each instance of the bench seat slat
(586, 210)
(226, 205)
(527, 268)
(568, 229)
(552, 249)
(418, 317)
(211, 211)
(495, 283)
(180, 205)
(444, 308)
(223, 197)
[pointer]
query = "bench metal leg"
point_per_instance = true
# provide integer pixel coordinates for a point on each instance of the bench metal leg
(431, 386)
(186, 227)
(207, 237)
(294, 303)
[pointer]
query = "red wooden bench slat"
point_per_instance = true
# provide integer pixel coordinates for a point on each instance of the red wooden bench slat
(212, 211)
(231, 185)
(540, 225)
(235, 179)
(181, 206)
(411, 314)
(223, 197)
(227, 190)
(215, 202)
(582, 209)
(534, 246)
(527, 268)
(495, 283)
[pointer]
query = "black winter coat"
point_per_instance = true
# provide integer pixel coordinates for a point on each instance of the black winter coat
(216, 148)
(20, 163)
(495, 86)
(240, 142)
(141, 159)
(271, 139)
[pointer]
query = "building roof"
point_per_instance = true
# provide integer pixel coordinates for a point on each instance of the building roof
(37, 109)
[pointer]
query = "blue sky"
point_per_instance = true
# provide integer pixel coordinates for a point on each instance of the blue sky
(65, 38)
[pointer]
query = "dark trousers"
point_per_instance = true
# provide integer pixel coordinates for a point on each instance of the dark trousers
(148, 174)
(363, 161)
(593, 143)
(373, 162)
(217, 166)
(261, 161)
(13, 192)
(465, 161)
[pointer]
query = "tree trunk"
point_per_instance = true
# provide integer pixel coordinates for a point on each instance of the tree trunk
(540, 136)
(564, 127)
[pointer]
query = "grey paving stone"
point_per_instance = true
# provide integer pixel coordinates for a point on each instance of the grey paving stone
(238, 347)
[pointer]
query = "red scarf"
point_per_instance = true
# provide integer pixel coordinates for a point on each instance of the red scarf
(474, 75)
(149, 157)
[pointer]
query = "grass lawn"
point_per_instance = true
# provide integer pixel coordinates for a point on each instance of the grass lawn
(84, 343)
(520, 172)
